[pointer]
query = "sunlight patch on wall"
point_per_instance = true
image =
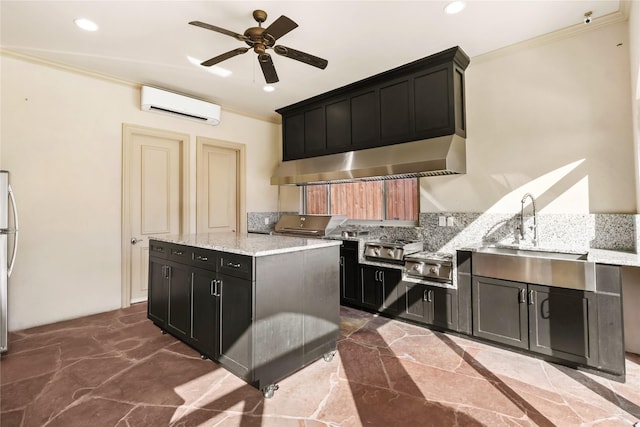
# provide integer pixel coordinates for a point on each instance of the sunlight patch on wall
(565, 182)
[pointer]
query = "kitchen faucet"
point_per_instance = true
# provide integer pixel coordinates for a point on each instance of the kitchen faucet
(535, 218)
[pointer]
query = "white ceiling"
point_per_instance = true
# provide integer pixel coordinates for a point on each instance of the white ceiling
(150, 42)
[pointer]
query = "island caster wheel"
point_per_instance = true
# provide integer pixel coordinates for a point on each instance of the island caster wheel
(268, 391)
(163, 332)
(328, 357)
(203, 357)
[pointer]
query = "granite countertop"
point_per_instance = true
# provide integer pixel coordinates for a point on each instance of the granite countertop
(248, 243)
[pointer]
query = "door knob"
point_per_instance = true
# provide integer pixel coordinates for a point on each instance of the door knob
(134, 240)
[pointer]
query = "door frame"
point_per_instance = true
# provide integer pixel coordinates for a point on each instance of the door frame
(128, 131)
(241, 189)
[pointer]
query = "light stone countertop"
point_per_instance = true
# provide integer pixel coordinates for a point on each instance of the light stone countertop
(248, 243)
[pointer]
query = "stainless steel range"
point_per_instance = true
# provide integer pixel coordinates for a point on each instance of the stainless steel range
(429, 266)
(391, 250)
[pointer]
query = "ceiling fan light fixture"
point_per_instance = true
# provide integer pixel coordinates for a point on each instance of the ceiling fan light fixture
(86, 24)
(455, 7)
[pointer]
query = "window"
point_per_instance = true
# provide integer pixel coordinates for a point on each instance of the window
(395, 199)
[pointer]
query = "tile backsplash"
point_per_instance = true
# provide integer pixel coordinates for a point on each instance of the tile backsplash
(576, 232)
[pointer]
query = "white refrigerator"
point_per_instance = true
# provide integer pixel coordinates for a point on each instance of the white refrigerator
(8, 237)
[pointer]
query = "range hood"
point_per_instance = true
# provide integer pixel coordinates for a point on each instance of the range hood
(445, 155)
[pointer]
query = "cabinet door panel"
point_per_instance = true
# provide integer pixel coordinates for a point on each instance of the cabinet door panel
(395, 116)
(560, 321)
(445, 307)
(314, 133)
(205, 313)
(412, 301)
(293, 146)
(350, 291)
(500, 311)
(338, 126)
(158, 300)
(179, 318)
(364, 120)
(433, 115)
(370, 287)
(236, 318)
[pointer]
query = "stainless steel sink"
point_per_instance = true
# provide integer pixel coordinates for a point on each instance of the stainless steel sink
(560, 269)
(577, 256)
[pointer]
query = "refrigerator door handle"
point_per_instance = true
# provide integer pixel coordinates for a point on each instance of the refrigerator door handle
(15, 237)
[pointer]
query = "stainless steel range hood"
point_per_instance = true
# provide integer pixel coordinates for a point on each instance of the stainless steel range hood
(445, 155)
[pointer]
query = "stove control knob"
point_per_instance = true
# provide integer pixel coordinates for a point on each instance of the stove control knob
(418, 268)
(390, 252)
(376, 251)
(433, 270)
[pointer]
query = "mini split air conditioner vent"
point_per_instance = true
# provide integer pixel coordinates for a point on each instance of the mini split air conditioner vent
(165, 102)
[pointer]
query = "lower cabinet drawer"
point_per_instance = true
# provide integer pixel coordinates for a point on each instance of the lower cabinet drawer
(204, 258)
(235, 265)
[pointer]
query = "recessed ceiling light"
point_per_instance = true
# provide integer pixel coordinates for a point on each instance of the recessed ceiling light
(86, 24)
(214, 69)
(268, 88)
(455, 7)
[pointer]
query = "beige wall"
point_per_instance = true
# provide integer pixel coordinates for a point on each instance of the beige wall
(551, 118)
(634, 49)
(61, 138)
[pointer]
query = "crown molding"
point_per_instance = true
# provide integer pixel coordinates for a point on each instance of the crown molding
(621, 15)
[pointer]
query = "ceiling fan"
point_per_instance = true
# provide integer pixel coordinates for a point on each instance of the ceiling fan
(261, 39)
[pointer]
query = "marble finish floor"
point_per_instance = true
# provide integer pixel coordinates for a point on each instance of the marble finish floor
(116, 369)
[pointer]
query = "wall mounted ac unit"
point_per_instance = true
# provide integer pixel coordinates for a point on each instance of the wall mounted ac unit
(162, 101)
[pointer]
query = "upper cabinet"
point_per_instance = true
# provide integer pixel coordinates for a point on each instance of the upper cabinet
(420, 100)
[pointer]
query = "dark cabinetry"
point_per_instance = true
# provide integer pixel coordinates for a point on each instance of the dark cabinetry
(205, 308)
(430, 305)
(349, 284)
(547, 320)
(419, 100)
(379, 288)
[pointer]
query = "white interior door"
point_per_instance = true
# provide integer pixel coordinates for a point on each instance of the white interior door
(154, 199)
(220, 187)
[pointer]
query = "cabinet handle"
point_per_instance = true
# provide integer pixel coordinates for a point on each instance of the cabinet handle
(341, 261)
(157, 248)
(382, 276)
(426, 295)
(201, 258)
(211, 290)
(531, 297)
(429, 295)
(166, 271)
(219, 288)
(522, 296)
(174, 252)
(230, 264)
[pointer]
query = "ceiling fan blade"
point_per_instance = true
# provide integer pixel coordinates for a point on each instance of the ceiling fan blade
(206, 26)
(301, 56)
(224, 56)
(268, 69)
(279, 28)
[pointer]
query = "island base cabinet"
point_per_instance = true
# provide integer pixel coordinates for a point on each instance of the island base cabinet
(235, 338)
(297, 312)
(262, 318)
(206, 313)
(158, 293)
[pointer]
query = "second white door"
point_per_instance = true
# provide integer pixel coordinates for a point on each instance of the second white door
(220, 187)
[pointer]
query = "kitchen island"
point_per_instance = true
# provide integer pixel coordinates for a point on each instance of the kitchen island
(261, 306)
